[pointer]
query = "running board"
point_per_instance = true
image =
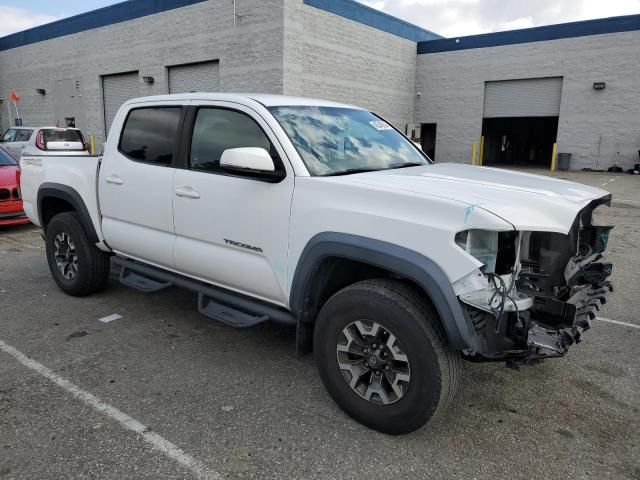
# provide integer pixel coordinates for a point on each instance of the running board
(145, 284)
(230, 308)
(227, 315)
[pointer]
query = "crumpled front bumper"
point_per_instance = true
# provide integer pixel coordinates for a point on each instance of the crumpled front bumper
(553, 341)
(547, 330)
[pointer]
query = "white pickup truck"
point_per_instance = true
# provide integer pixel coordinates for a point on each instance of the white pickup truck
(323, 216)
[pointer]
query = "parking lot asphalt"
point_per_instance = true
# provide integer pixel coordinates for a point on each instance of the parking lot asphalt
(215, 402)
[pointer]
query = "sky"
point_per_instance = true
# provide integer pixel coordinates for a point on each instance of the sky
(450, 18)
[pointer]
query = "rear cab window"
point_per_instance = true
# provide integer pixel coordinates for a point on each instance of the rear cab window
(150, 134)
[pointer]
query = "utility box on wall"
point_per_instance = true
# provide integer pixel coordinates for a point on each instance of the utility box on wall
(414, 131)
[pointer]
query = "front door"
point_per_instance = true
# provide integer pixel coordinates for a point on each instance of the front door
(232, 230)
(136, 185)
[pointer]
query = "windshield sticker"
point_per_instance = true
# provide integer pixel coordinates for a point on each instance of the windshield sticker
(380, 125)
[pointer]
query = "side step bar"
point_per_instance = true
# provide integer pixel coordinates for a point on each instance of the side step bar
(227, 315)
(140, 282)
(216, 303)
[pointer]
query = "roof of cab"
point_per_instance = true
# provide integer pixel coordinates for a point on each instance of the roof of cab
(268, 100)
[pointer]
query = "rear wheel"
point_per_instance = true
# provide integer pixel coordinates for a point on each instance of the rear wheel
(382, 356)
(78, 267)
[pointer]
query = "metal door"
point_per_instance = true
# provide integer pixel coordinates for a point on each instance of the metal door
(531, 97)
(116, 90)
(195, 77)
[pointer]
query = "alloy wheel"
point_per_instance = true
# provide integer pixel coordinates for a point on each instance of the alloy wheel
(373, 362)
(65, 256)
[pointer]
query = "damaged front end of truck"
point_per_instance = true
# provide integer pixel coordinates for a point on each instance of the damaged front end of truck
(536, 292)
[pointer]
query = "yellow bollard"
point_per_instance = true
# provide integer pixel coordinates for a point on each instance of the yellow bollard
(481, 150)
(474, 149)
(92, 144)
(554, 157)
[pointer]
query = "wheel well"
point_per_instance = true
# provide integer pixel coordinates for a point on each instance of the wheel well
(52, 206)
(332, 275)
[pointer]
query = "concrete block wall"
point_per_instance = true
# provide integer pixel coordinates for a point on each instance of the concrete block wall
(331, 57)
(594, 124)
(250, 56)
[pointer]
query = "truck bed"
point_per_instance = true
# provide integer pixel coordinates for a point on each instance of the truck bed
(76, 175)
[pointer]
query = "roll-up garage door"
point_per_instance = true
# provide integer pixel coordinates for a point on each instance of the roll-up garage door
(532, 97)
(195, 77)
(117, 89)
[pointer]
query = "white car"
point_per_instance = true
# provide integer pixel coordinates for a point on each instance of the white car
(325, 217)
(44, 141)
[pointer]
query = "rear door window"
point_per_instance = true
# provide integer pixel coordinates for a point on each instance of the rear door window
(151, 134)
(22, 135)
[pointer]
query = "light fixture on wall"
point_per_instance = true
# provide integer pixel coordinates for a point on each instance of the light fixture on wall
(148, 80)
(599, 85)
(41, 91)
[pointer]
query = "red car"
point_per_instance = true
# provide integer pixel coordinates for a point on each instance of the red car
(11, 212)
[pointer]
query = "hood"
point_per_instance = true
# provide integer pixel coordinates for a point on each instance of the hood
(527, 201)
(8, 175)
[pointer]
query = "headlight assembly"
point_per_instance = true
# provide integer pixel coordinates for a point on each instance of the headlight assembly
(480, 244)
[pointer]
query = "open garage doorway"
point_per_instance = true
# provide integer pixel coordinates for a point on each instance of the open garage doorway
(519, 141)
(520, 121)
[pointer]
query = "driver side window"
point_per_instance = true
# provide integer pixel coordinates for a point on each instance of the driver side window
(216, 130)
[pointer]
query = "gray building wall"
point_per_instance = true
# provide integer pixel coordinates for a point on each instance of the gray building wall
(331, 57)
(250, 56)
(593, 125)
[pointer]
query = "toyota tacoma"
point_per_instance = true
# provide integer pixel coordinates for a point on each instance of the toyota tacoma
(323, 216)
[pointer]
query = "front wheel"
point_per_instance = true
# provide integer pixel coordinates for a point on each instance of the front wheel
(382, 356)
(78, 267)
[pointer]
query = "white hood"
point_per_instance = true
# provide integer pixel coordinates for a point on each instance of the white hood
(527, 201)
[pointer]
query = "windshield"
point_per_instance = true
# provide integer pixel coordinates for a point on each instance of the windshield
(6, 160)
(338, 141)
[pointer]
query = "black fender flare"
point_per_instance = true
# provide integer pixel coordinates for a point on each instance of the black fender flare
(396, 259)
(71, 196)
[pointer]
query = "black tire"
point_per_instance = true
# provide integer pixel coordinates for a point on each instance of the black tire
(399, 308)
(93, 264)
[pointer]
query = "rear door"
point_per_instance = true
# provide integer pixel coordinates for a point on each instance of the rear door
(136, 183)
(232, 230)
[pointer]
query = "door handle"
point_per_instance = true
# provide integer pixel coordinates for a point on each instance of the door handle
(187, 192)
(115, 180)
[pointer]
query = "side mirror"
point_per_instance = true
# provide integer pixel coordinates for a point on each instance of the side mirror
(249, 161)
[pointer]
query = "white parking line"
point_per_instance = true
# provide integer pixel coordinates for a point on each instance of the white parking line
(618, 322)
(156, 441)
